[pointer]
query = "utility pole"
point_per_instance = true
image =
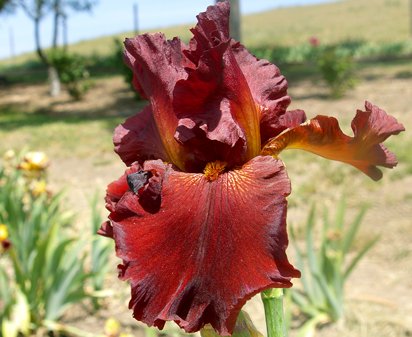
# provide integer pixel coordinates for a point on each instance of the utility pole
(135, 19)
(410, 17)
(65, 32)
(235, 19)
(11, 42)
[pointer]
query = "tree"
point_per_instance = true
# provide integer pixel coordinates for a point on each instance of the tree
(234, 18)
(37, 10)
(6, 6)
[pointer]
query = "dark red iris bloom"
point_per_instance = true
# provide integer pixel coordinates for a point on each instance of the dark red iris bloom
(199, 217)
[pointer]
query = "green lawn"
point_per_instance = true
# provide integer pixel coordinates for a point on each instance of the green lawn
(59, 136)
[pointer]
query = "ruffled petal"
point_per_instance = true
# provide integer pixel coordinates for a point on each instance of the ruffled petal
(290, 119)
(138, 139)
(215, 99)
(157, 65)
(212, 28)
(210, 246)
(269, 91)
(118, 188)
(322, 135)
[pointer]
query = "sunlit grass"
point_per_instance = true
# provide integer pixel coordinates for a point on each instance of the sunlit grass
(376, 20)
(59, 136)
(402, 147)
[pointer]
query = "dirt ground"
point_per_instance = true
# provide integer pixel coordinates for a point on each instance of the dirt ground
(379, 293)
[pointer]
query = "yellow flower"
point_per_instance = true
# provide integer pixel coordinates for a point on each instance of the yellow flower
(38, 187)
(4, 233)
(34, 161)
(4, 242)
(9, 155)
(112, 328)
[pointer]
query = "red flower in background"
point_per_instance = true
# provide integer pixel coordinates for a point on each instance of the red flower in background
(199, 217)
(314, 41)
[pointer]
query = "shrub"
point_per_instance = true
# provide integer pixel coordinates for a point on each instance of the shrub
(336, 66)
(72, 72)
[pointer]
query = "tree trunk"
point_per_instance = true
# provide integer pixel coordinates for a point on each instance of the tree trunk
(234, 19)
(54, 81)
(39, 51)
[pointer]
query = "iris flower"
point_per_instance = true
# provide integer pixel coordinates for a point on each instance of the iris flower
(199, 217)
(4, 236)
(34, 162)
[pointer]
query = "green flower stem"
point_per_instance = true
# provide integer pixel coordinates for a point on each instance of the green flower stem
(273, 304)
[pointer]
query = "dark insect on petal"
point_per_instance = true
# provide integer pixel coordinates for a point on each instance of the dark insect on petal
(137, 180)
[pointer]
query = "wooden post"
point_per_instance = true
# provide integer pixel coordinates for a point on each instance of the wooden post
(235, 23)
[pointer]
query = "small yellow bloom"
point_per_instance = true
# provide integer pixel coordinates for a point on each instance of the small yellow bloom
(34, 161)
(38, 187)
(4, 233)
(112, 328)
(9, 155)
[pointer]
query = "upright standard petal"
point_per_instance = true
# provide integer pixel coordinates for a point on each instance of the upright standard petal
(215, 99)
(138, 139)
(322, 136)
(269, 91)
(157, 65)
(203, 263)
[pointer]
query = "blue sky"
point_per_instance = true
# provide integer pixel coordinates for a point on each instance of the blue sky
(116, 16)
